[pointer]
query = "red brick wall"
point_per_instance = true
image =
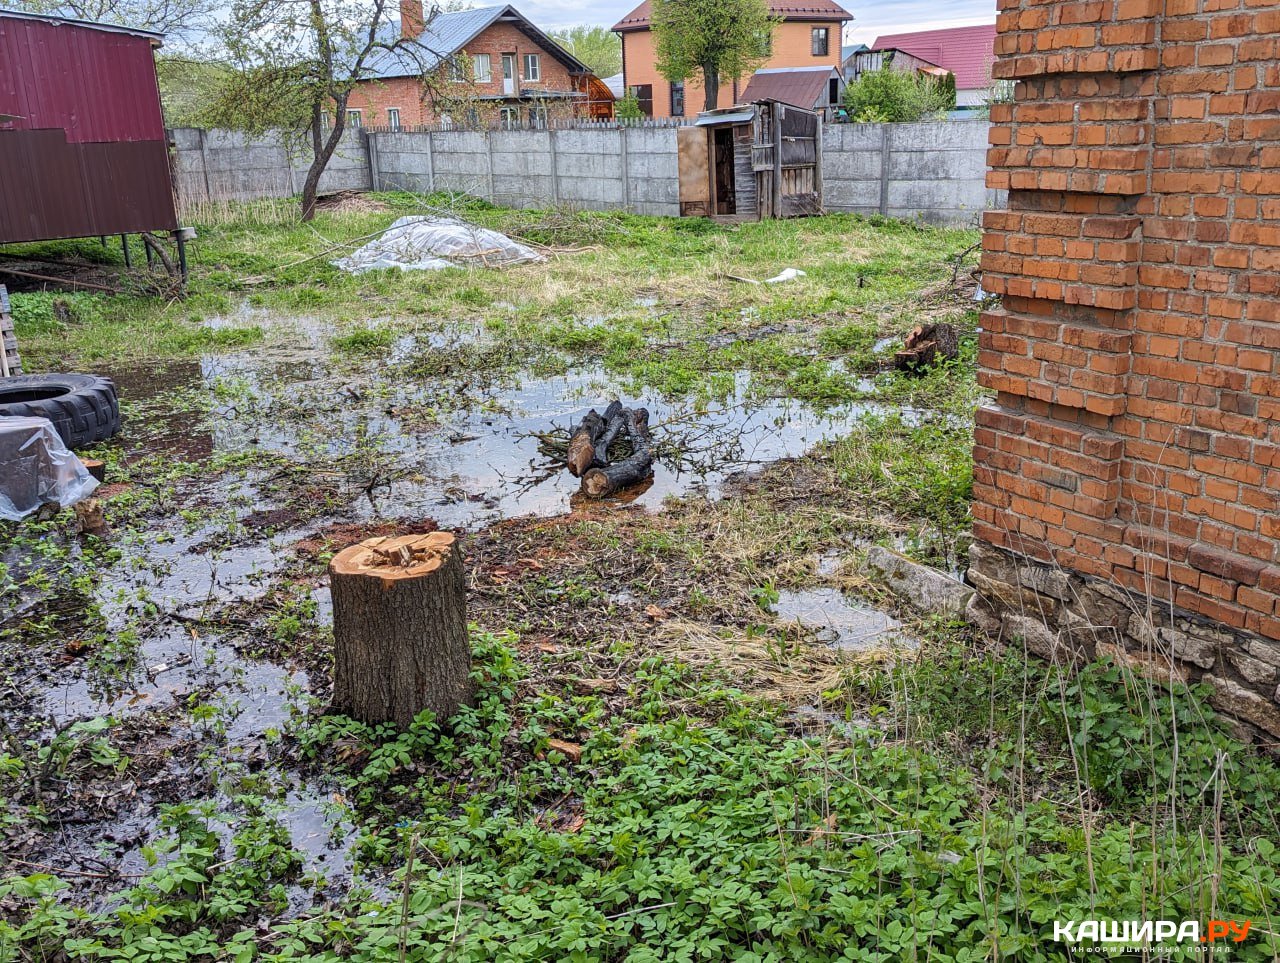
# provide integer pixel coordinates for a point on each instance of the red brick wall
(1136, 352)
(374, 97)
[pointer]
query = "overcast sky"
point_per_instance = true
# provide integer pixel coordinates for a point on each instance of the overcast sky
(870, 17)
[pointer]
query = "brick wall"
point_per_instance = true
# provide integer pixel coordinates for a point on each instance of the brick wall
(374, 97)
(1135, 438)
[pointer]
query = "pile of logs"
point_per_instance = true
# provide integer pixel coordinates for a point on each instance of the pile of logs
(590, 447)
(927, 345)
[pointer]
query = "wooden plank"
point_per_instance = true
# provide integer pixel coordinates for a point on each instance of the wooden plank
(693, 163)
(10, 362)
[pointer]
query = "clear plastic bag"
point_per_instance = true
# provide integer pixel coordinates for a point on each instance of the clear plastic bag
(37, 469)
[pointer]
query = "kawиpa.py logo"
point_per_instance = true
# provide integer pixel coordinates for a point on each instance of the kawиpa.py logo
(1118, 936)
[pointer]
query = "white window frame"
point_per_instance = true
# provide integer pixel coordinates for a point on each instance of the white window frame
(393, 118)
(482, 68)
(510, 118)
(533, 68)
(457, 69)
(355, 118)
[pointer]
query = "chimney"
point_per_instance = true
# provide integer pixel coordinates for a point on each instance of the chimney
(412, 21)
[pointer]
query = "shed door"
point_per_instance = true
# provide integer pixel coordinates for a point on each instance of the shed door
(692, 158)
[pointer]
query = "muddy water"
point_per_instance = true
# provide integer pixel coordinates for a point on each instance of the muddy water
(839, 620)
(461, 447)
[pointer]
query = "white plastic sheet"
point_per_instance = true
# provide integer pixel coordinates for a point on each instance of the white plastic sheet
(432, 243)
(37, 469)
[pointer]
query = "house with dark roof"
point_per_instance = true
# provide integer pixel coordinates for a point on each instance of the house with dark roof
(481, 66)
(807, 36)
(966, 52)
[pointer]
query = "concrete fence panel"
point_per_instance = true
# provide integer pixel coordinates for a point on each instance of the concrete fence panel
(934, 171)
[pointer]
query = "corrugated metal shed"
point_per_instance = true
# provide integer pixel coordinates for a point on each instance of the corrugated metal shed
(83, 149)
(807, 87)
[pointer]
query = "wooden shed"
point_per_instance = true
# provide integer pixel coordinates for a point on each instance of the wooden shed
(751, 162)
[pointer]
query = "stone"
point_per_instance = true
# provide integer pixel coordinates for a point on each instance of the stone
(1046, 580)
(1010, 597)
(1234, 699)
(1033, 634)
(1148, 665)
(980, 615)
(1267, 652)
(925, 589)
(1190, 648)
(1253, 670)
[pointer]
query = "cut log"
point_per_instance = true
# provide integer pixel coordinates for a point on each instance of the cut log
(96, 468)
(927, 345)
(582, 443)
(400, 640)
(632, 470)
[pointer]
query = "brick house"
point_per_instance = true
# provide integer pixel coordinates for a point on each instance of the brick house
(475, 67)
(808, 36)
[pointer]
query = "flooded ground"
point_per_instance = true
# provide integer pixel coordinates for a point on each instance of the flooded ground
(189, 638)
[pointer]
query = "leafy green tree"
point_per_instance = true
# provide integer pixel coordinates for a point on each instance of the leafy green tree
(628, 107)
(296, 63)
(898, 96)
(597, 47)
(714, 40)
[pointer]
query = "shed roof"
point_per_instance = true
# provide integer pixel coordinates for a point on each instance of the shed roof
(818, 10)
(448, 33)
(798, 86)
(152, 35)
(968, 52)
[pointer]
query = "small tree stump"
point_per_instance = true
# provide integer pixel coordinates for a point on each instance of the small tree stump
(927, 345)
(400, 640)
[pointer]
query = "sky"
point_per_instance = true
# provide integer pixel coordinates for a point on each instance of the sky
(871, 17)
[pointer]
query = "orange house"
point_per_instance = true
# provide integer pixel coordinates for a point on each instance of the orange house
(808, 36)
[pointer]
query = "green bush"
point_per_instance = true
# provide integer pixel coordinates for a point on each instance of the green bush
(898, 96)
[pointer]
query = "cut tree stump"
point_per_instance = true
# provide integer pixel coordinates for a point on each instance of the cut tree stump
(400, 641)
(927, 345)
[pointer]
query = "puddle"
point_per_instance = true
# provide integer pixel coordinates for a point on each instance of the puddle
(838, 620)
(468, 462)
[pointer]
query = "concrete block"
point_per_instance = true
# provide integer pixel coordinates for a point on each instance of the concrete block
(185, 138)
(937, 196)
(920, 165)
(851, 137)
(589, 166)
(654, 191)
(941, 135)
(851, 195)
(460, 142)
(925, 589)
(851, 165)
(658, 166)
(520, 141)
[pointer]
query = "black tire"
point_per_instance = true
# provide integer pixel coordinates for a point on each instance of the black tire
(83, 408)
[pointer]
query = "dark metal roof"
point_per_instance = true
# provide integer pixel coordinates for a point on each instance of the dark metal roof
(798, 86)
(95, 24)
(448, 33)
(816, 10)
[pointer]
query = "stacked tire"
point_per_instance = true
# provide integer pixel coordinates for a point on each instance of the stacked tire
(83, 408)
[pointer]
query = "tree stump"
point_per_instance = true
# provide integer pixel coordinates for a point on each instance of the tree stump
(927, 345)
(400, 641)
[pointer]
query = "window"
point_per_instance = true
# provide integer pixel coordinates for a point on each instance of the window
(457, 69)
(537, 118)
(820, 35)
(482, 69)
(354, 119)
(764, 43)
(532, 67)
(643, 94)
(393, 118)
(677, 99)
(510, 118)
(833, 91)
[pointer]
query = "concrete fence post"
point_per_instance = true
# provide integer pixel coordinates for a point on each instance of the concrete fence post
(552, 138)
(625, 161)
(886, 159)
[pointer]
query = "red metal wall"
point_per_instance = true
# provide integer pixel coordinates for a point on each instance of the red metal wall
(87, 154)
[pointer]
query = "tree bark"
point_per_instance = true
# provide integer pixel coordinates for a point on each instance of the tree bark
(711, 84)
(400, 641)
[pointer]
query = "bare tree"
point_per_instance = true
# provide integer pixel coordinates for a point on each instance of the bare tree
(295, 64)
(182, 21)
